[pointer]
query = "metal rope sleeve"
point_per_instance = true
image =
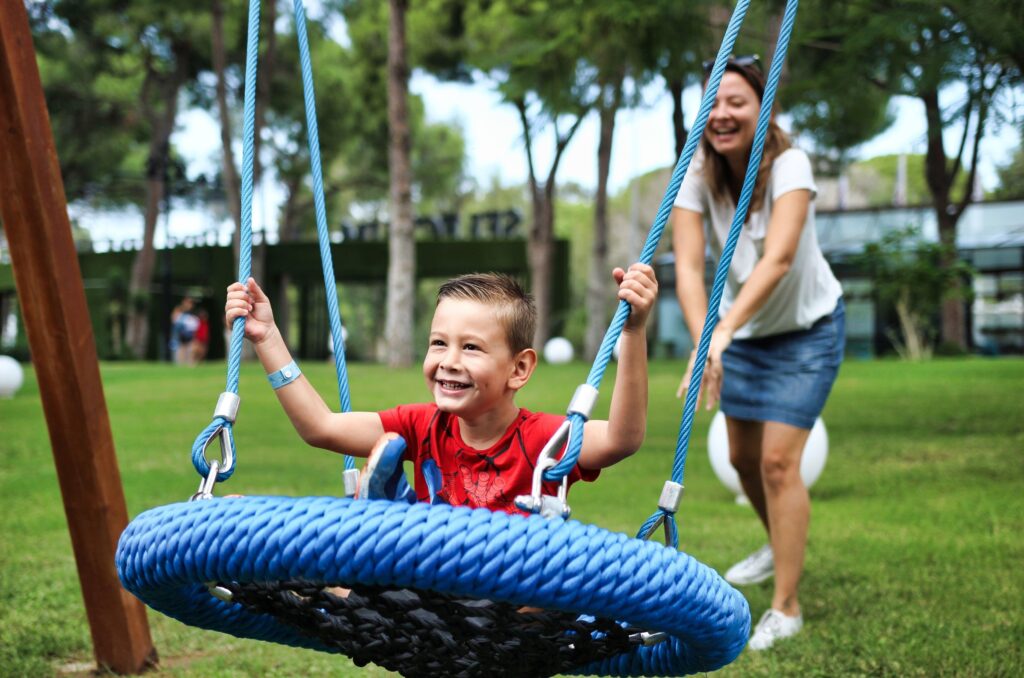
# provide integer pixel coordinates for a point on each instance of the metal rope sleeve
(167, 554)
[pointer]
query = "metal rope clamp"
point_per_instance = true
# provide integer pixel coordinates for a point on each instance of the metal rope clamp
(227, 409)
(582, 403)
(668, 502)
(350, 480)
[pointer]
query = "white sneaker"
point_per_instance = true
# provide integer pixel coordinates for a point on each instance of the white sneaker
(753, 569)
(774, 626)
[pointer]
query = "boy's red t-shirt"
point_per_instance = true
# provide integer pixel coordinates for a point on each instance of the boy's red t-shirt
(490, 478)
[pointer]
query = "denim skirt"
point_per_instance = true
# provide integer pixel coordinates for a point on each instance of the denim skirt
(784, 377)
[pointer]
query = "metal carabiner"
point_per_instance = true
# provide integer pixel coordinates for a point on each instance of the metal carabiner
(205, 490)
(226, 409)
(227, 449)
(537, 501)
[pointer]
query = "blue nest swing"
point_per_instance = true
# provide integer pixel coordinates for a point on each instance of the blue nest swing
(430, 590)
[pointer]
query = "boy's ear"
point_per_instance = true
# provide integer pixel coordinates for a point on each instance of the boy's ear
(523, 364)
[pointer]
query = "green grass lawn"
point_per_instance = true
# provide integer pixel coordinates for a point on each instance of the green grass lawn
(914, 564)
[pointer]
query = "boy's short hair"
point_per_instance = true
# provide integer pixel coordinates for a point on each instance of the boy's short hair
(515, 308)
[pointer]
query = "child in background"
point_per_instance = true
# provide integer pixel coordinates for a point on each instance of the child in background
(201, 340)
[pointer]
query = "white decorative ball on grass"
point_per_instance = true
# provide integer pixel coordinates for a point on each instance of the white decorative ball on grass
(11, 376)
(812, 463)
(558, 350)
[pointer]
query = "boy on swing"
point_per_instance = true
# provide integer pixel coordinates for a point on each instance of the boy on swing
(472, 446)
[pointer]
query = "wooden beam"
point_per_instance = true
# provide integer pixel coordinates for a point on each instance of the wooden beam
(52, 300)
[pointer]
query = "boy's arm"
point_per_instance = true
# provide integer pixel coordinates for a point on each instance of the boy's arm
(346, 432)
(608, 442)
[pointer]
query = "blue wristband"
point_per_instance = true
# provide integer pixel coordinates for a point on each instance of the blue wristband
(284, 376)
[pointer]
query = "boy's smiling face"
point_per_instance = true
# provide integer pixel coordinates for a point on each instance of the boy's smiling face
(469, 366)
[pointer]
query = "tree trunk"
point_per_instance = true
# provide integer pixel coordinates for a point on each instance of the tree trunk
(230, 173)
(401, 286)
(598, 298)
(940, 182)
(915, 345)
(538, 253)
(675, 88)
(541, 239)
(287, 233)
(162, 125)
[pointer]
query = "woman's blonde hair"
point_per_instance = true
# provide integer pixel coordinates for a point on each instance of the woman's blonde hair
(716, 170)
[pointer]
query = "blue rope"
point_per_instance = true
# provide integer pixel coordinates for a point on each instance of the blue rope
(245, 237)
(721, 273)
(244, 249)
(167, 554)
(568, 460)
(604, 353)
(330, 285)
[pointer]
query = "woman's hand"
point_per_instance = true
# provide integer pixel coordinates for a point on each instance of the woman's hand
(713, 373)
(249, 301)
(711, 384)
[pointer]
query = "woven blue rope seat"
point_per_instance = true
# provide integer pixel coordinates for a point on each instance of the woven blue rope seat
(169, 555)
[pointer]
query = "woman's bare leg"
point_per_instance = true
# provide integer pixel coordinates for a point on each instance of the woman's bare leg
(788, 509)
(745, 438)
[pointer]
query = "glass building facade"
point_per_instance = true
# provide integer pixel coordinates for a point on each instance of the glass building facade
(990, 237)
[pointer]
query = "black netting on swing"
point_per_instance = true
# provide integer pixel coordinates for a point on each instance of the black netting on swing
(422, 633)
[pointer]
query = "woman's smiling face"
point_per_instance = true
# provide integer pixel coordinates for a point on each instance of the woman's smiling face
(733, 119)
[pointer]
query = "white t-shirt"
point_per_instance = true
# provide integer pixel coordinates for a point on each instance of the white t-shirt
(808, 291)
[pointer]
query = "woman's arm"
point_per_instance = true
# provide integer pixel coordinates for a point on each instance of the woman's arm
(780, 243)
(689, 247)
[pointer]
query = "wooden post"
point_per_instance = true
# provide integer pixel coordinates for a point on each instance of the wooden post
(52, 300)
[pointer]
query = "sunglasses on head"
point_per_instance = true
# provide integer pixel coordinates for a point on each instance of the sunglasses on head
(744, 61)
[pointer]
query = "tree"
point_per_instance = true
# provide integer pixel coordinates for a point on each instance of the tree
(170, 60)
(1011, 177)
(352, 117)
(228, 168)
(401, 247)
(617, 41)
(91, 97)
(915, 48)
(681, 41)
(157, 48)
(535, 56)
(907, 275)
